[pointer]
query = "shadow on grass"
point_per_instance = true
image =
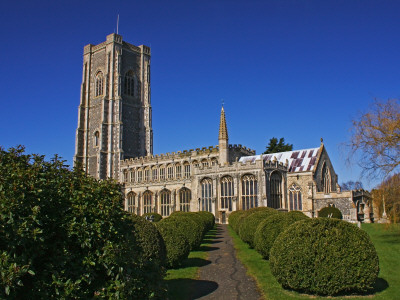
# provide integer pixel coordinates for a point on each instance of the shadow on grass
(207, 248)
(185, 289)
(195, 262)
(380, 285)
(208, 241)
(391, 238)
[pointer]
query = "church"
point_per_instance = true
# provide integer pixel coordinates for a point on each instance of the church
(114, 139)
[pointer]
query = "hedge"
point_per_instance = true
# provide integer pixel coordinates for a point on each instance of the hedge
(177, 244)
(269, 229)
(247, 213)
(234, 218)
(189, 227)
(250, 223)
(330, 212)
(155, 216)
(324, 256)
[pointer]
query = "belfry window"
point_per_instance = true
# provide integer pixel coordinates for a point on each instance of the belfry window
(295, 198)
(131, 202)
(147, 202)
(184, 199)
(129, 87)
(206, 195)
(165, 199)
(99, 84)
(275, 190)
(249, 192)
(226, 193)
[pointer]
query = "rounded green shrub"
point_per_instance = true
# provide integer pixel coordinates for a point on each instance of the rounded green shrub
(250, 223)
(269, 229)
(247, 213)
(209, 217)
(155, 216)
(188, 227)
(234, 217)
(330, 212)
(324, 256)
(176, 243)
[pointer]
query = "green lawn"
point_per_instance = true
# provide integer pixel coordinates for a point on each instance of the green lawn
(180, 281)
(386, 240)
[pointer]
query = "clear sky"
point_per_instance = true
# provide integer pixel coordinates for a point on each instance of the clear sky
(301, 70)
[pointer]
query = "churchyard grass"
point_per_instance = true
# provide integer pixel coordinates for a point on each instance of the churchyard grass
(386, 239)
(180, 281)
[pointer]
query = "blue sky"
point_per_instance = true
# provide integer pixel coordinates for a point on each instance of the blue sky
(301, 70)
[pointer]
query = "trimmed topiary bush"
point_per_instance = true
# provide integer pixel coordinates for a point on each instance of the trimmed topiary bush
(209, 217)
(330, 212)
(156, 217)
(269, 229)
(176, 243)
(250, 223)
(324, 256)
(234, 217)
(247, 213)
(188, 227)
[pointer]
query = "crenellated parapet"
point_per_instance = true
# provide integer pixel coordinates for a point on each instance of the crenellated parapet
(242, 149)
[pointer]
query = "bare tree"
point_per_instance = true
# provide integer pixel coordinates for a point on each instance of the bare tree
(376, 137)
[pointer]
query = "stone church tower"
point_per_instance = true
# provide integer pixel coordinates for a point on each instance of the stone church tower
(114, 120)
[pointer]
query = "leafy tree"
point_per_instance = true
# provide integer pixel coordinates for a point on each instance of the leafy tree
(274, 146)
(389, 192)
(376, 137)
(351, 185)
(64, 235)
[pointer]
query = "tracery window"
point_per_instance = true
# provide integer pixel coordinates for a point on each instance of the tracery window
(132, 176)
(227, 192)
(204, 163)
(96, 138)
(139, 175)
(187, 169)
(132, 202)
(125, 176)
(147, 174)
(295, 198)
(162, 173)
(214, 162)
(326, 179)
(99, 84)
(206, 195)
(170, 172)
(165, 199)
(185, 196)
(276, 190)
(195, 163)
(155, 174)
(249, 192)
(147, 202)
(178, 171)
(129, 88)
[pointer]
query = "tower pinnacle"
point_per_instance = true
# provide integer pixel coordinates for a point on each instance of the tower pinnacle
(223, 130)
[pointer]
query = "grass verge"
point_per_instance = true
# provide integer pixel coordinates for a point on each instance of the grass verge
(179, 281)
(387, 243)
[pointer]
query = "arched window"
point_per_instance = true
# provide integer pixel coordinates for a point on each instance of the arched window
(295, 201)
(195, 163)
(170, 171)
(249, 192)
(96, 138)
(155, 174)
(98, 84)
(162, 173)
(129, 87)
(147, 202)
(187, 169)
(326, 179)
(185, 196)
(147, 174)
(178, 171)
(226, 192)
(139, 175)
(204, 163)
(206, 195)
(275, 187)
(132, 175)
(125, 176)
(132, 202)
(165, 199)
(214, 161)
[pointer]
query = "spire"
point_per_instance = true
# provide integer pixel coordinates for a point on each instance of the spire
(223, 130)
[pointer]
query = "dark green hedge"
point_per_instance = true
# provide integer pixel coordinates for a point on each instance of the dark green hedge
(177, 244)
(330, 212)
(234, 218)
(250, 223)
(248, 213)
(209, 217)
(269, 229)
(324, 256)
(65, 235)
(190, 227)
(156, 217)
